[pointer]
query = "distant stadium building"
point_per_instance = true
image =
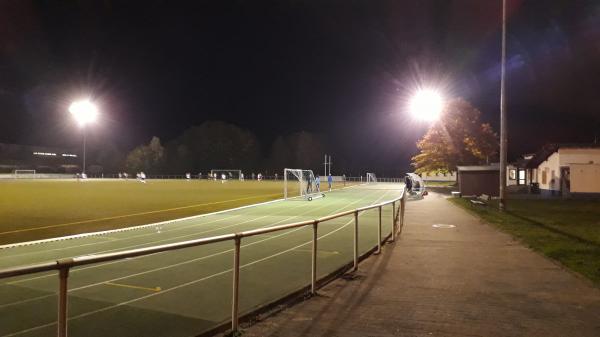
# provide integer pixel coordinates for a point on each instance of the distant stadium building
(39, 158)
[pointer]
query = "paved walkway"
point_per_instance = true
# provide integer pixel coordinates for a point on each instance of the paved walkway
(466, 281)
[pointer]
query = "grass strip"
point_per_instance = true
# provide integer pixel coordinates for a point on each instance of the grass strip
(577, 253)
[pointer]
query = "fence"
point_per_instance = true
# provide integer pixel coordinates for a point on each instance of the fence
(63, 266)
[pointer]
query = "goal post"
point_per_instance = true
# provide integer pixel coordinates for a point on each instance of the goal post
(300, 183)
(229, 174)
(371, 178)
(24, 174)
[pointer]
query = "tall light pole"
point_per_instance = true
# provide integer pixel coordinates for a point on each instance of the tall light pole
(84, 112)
(503, 136)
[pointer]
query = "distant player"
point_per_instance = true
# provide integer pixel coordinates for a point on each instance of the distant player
(223, 177)
(259, 176)
(309, 183)
(318, 183)
(241, 176)
(188, 176)
(330, 181)
(215, 176)
(143, 177)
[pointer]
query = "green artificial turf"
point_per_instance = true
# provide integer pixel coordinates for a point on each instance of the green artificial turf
(37, 209)
(565, 230)
(188, 291)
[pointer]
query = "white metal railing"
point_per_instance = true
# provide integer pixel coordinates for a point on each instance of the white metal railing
(63, 266)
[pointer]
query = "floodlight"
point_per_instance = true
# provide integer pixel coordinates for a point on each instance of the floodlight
(84, 111)
(426, 105)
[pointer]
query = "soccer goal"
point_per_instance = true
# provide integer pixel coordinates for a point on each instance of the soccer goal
(24, 174)
(229, 174)
(300, 183)
(371, 178)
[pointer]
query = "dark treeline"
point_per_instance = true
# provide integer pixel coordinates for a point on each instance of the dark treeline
(220, 145)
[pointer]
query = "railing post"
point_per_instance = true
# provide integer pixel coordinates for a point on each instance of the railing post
(236, 285)
(379, 232)
(402, 208)
(63, 275)
(355, 241)
(393, 221)
(313, 283)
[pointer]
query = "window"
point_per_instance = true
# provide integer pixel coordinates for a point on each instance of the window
(544, 176)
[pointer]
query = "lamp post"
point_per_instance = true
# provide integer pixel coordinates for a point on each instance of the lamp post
(503, 136)
(84, 112)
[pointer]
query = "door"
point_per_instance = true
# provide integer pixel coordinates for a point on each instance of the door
(565, 182)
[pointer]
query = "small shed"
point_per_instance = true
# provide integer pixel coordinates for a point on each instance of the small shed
(477, 180)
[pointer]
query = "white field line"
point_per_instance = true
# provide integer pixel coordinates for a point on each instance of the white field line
(181, 227)
(148, 243)
(188, 283)
(83, 235)
(126, 229)
(166, 267)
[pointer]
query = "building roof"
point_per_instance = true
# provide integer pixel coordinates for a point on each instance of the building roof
(491, 167)
(548, 149)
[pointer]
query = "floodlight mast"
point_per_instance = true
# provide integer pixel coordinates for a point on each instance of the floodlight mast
(84, 112)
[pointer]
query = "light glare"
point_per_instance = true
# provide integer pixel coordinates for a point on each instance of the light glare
(84, 112)
(426, 105)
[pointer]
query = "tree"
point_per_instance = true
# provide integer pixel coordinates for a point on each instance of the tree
(298, 150)
(146, 158)
(458, 138)
(213, 145)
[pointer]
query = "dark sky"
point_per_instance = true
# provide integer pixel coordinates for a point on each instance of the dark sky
(340, 68)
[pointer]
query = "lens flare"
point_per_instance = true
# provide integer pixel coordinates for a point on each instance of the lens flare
(84, 111)
(426, 105)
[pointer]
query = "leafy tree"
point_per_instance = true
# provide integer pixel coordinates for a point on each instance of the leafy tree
(213, 145)
(147, 158)
(458, 138)
(297, 150)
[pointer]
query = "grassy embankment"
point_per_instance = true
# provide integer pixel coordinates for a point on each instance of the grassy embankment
(565, 230)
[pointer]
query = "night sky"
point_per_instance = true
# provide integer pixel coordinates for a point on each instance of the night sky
(344, 69)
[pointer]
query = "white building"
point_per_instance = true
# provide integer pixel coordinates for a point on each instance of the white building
(561, 169)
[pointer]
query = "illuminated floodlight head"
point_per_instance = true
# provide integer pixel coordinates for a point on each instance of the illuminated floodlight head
(426, 105)
(84, 111)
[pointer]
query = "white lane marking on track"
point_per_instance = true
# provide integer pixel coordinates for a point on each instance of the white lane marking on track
(129, 229)
(146, 243)
(183, 284)
(170, 266)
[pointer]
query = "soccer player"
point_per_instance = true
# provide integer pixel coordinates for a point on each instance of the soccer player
(188, 176)
(318, 183)
(143, 177)
(330, 181)
(308, 185)
(242, 176)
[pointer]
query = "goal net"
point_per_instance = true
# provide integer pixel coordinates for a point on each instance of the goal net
(24, 174)
(300, 183)
(229, 174)
(371, 178)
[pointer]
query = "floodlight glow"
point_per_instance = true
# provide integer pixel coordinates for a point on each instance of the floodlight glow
(426, 105)
(84, 112)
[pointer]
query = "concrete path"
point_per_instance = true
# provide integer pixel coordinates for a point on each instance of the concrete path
(471, 280)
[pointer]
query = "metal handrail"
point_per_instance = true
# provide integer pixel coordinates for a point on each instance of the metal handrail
(63, 266)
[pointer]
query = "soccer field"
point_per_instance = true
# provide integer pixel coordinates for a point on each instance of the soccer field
(38, 209)
(188, 291)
